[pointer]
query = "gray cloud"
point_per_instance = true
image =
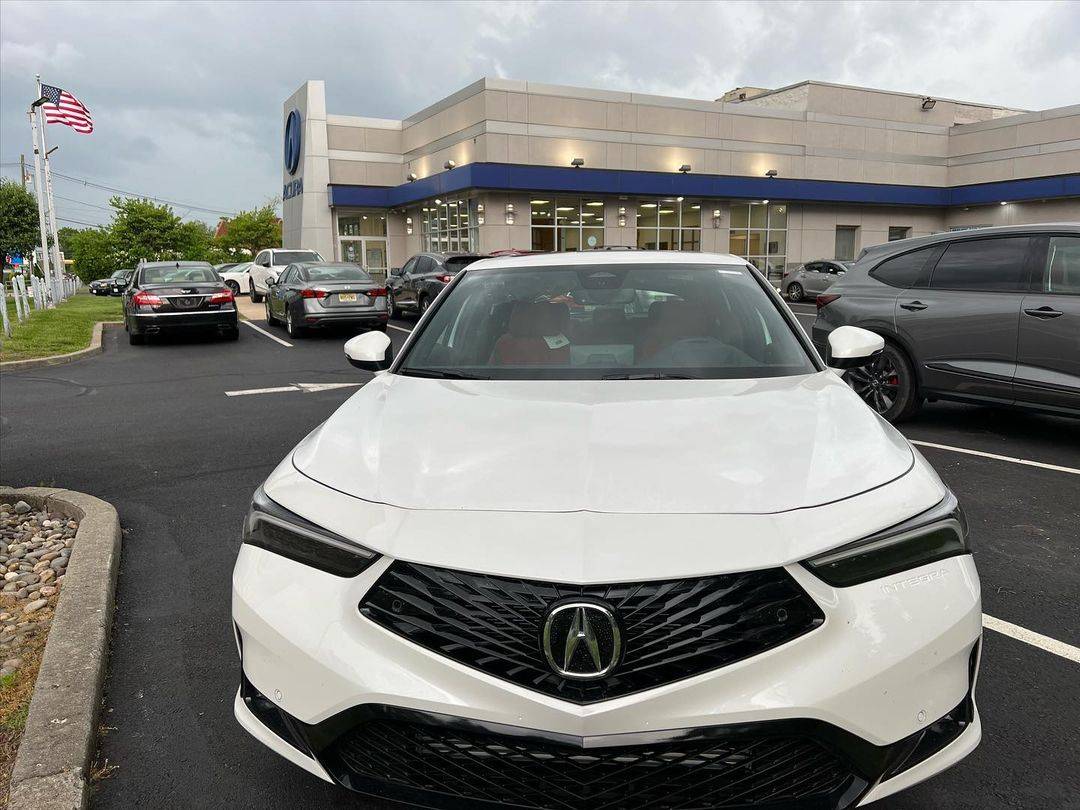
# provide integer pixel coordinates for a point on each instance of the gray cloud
(187, 97)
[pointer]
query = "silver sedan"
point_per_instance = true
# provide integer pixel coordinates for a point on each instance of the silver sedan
(812, 278)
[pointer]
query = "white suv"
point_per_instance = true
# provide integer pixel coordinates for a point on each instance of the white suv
(269, 263)
(609, 574)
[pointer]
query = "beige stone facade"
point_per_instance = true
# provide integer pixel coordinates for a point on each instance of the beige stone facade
(871, 144)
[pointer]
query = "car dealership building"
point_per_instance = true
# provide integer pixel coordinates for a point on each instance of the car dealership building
(814, 170)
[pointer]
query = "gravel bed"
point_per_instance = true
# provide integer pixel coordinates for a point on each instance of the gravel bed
(34, 551)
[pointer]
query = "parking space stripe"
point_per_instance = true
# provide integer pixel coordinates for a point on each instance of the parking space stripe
(996, 457)
(278, 390)
(274, 338)
(400, 329)
(1050, 645)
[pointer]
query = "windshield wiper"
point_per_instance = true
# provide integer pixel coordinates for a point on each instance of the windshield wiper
(441, 374)
(659, 375)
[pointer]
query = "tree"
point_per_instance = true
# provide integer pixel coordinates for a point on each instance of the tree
(18, 220)
(91, 250)
(251, 231)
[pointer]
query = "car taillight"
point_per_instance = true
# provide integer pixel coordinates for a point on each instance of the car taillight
(445, 278)
(313, 293)
(378, 292)
(222, 297)
(145, 299)
(824, 300)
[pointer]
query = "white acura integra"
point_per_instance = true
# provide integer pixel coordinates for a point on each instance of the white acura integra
(568, 551)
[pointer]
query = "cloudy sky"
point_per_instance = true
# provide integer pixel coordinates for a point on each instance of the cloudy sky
(186, 97)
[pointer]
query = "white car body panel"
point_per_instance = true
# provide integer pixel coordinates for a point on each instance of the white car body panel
(593, 482)
(260, 274)
(239, 274)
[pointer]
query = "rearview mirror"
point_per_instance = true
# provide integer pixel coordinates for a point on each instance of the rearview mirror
(852, 347)
(370, 351)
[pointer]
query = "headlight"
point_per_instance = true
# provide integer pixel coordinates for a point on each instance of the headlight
(274, 528)
(935, 534)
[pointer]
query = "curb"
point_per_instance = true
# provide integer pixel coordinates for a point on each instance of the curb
(59, 359)
(52, 766)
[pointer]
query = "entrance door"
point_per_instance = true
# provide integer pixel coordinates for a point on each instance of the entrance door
(368, 252)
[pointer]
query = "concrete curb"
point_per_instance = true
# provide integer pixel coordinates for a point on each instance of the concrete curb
(52, 766)
(60, 359)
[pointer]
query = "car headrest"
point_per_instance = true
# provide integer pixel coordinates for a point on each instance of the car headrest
(688, 319)
(537, 320)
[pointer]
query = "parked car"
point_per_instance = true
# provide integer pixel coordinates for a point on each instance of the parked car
(120, 281)
(415, 285)
(988, 316)
(236, 276)
(317, 294)
(178, 296)
(543, 563)
(269, 263)
(104, 286)
(812, 278)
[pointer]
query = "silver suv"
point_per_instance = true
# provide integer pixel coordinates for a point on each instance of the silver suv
(990, 316)
(812, 278)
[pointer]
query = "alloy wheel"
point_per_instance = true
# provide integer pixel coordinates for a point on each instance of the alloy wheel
(878, 384)
(795, 292)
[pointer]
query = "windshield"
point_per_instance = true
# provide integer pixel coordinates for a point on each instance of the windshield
(120, 273)
(177, 275)
(617, 321)
(336, 272)
(296, 256)
(455, 264)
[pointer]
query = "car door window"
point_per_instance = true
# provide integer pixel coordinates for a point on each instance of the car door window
(425, 265)
(410, 266)
(983, 264)
(903, 271)
(1062, 274)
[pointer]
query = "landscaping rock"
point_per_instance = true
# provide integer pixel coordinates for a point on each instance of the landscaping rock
(21, 508)
(36, 605)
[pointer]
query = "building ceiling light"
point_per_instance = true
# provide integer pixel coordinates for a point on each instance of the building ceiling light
(564, 208)
(695, 207)
(1003, 202)
(678, 199)
(667, 210)
(594, 203)
(764, 202)
(577, 163)
(539, 202)
(648, 205)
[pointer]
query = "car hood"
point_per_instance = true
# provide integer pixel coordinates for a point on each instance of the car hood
(636, 446)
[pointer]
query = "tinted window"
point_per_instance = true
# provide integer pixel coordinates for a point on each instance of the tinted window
(903, 271)
(410, 266)
(262, 257)
(982, 264)
(607, 322)
(336, 272)
(290, 256)
(456, 264)
(178, 275)
(1063, 265)
(425, 264)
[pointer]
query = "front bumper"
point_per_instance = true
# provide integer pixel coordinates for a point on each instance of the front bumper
(864, 687)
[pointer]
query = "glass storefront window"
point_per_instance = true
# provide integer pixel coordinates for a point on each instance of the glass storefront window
(372, 223)
(448, 226)
(669, 224)
(759, 235)
(567, 223)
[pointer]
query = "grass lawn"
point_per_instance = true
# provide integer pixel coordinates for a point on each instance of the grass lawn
(58, 331)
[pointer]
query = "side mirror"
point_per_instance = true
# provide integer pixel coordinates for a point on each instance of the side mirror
(270, 281)
(852, 347)
(370, 351)
(395, 271)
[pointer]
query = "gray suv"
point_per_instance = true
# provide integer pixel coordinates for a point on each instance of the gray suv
(989, 315)
(812, 278)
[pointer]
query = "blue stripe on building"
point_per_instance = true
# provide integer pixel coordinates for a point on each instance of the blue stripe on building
(513, 177)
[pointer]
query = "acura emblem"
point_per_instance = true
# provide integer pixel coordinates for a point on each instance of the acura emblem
(581, 640)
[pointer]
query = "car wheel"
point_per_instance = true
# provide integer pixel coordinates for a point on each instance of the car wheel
(255, 297)
(391, 305)
(423, 304)
(795, 292)
(232, 285)
(887, 385)
(270, 319)
(292, 328)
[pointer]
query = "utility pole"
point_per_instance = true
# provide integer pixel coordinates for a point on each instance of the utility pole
(22, 171)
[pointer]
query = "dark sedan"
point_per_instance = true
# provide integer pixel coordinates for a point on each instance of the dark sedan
(414, 286)
(178, 296)
(104, 286)
(318, 294)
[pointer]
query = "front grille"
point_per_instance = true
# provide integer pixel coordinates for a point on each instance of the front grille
(670, 630)
(469, 766)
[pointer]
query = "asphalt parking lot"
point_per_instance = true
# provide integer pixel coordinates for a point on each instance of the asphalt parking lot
(178, 434)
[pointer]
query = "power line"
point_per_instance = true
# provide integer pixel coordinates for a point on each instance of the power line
(84, 202)
(138, 195)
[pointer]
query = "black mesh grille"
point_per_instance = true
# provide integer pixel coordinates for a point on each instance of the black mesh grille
(670, 630)
(473, 766)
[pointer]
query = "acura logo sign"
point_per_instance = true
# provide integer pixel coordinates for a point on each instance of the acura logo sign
(292, 141)
(581, 640)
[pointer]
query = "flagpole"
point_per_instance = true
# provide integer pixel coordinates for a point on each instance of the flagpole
(57, 262)
(40, 203)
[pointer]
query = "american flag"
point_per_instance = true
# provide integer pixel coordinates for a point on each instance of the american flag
(64, 108)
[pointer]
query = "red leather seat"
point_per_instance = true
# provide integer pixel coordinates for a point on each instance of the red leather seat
(524, 343)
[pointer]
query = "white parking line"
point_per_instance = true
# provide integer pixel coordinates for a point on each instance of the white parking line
(1050, 645)
(400, 329)
(279, 389)
(996, 457)
(307, 388)
(275, 338)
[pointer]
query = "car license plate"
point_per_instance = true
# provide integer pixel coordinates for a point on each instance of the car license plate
(347, 298)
